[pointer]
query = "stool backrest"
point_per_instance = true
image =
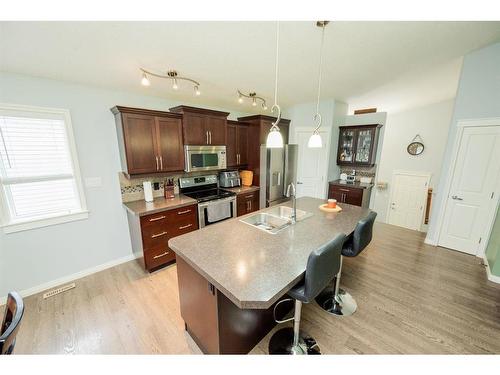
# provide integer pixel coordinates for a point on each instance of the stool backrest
(363, 233)
(322, 266)
(14, 311)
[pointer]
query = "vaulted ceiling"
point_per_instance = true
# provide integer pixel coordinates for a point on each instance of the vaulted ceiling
(359, 57)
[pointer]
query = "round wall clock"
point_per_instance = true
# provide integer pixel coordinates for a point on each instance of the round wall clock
(416, 147)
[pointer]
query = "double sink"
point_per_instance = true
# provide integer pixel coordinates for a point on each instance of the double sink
(275, 219)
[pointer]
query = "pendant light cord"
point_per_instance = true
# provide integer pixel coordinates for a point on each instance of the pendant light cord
(317, 115)
(276, 106)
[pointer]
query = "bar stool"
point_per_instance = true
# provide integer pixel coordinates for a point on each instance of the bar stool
(14, 311)
(336, 300)
(322, 265)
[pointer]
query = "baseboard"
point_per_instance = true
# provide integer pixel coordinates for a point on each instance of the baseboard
(491, 277)
(430, 241)
(72, 277)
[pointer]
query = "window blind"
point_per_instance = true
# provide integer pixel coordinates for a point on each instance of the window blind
(36, 167)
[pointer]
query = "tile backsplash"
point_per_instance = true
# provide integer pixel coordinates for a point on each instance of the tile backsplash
(360, 171)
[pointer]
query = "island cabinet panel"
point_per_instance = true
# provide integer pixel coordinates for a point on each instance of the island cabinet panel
(258, 129)
(237, 144)
(247, 202)
(156, 229)
(215, 323)
(149, 141)
(202, 126)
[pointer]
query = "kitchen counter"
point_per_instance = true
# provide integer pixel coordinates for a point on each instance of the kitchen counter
(355, 184)
(242, 189)
(254, 268)
(141, 208)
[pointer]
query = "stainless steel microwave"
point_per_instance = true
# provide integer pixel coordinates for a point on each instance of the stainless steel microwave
(205, 158)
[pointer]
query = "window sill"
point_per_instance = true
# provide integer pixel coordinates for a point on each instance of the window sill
(45, 222)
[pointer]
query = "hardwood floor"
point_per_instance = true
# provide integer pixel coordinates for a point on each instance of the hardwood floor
(412, 298)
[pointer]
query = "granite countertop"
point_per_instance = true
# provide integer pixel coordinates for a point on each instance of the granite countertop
(141, 208)
(242, 189)
(253, 268)
(355, 184)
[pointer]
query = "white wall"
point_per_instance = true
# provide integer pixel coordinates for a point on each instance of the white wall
(431, 122)
(478, 96)
(39, 256)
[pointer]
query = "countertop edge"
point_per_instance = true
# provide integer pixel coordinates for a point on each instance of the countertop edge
(154, 211)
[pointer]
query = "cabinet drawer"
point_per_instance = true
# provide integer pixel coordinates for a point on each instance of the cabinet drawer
(173, 216)
(158, 256)
(183, 225)
(155, 235)
(157, 220)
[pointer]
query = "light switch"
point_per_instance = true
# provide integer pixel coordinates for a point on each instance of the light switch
(93, 182)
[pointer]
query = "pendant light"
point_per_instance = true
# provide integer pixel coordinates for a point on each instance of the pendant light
(315, 139)
(274, 138)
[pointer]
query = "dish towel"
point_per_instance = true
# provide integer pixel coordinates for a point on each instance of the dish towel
(218, 212)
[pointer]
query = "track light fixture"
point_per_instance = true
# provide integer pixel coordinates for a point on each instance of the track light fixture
(254, 97)
(172, 75)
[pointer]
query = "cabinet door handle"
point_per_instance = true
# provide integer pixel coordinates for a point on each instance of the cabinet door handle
(250, 205)
(186, 226)
(206, 133)
(161, 162)
(157, 218)
(158, 235)
(161, 255)
(210, 134)
(183, 212)
(156, 162)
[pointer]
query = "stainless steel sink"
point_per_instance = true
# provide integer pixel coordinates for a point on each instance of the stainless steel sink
(274, 219)
(266, 222)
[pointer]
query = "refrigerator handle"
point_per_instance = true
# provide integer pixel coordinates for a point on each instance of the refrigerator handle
(279, 179)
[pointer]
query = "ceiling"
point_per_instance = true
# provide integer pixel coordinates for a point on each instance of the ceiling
(359, 57)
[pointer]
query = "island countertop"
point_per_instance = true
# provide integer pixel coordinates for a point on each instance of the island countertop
(254, 268)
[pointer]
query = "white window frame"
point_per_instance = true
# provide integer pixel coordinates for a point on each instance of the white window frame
(17, 226)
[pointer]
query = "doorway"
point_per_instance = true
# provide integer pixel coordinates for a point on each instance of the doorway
(408, 199)
(473, 190)
(312, 168)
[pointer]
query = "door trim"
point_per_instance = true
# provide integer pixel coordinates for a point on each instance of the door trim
(461, 126)
(407, 173)
(326, 144)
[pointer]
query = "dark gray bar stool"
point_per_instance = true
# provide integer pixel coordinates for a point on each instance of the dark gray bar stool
(322, 266)
(336, 300)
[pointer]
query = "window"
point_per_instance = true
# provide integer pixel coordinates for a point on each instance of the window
(39, 176)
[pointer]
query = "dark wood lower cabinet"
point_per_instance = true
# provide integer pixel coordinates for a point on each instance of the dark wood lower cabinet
(356, 196)
(216, 324)
(247, 202)
(150, 234)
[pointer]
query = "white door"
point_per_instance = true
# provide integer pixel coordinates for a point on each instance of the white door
(474, 181)
(312, 166)
(408, 200)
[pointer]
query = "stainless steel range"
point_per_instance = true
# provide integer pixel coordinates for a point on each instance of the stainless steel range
(214, 204)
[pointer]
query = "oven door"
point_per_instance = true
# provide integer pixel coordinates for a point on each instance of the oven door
(215, 211)
(205, 158)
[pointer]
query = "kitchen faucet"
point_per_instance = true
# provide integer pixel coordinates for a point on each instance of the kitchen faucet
(294, 201)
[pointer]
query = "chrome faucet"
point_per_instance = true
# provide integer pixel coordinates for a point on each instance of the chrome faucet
(294, 201)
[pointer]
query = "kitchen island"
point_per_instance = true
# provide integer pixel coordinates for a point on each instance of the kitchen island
(232, 274)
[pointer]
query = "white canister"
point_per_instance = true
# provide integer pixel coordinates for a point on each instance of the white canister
(148, 191)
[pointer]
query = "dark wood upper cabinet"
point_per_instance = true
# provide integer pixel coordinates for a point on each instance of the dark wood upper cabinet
(171, 150)
(237, 144)
(149, 141)
(202, 126)
(258, 128)
(358, 145)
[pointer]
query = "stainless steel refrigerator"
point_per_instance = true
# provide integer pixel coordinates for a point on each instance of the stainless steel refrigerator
(278, 168)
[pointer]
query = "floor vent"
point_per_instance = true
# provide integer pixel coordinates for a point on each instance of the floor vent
(61, 289)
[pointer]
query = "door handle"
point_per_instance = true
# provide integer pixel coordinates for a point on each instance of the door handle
(457, 198)
(157, 163)
(299, 183)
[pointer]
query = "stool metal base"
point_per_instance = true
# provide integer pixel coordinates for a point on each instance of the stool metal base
(282, 343)
(342, 305)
